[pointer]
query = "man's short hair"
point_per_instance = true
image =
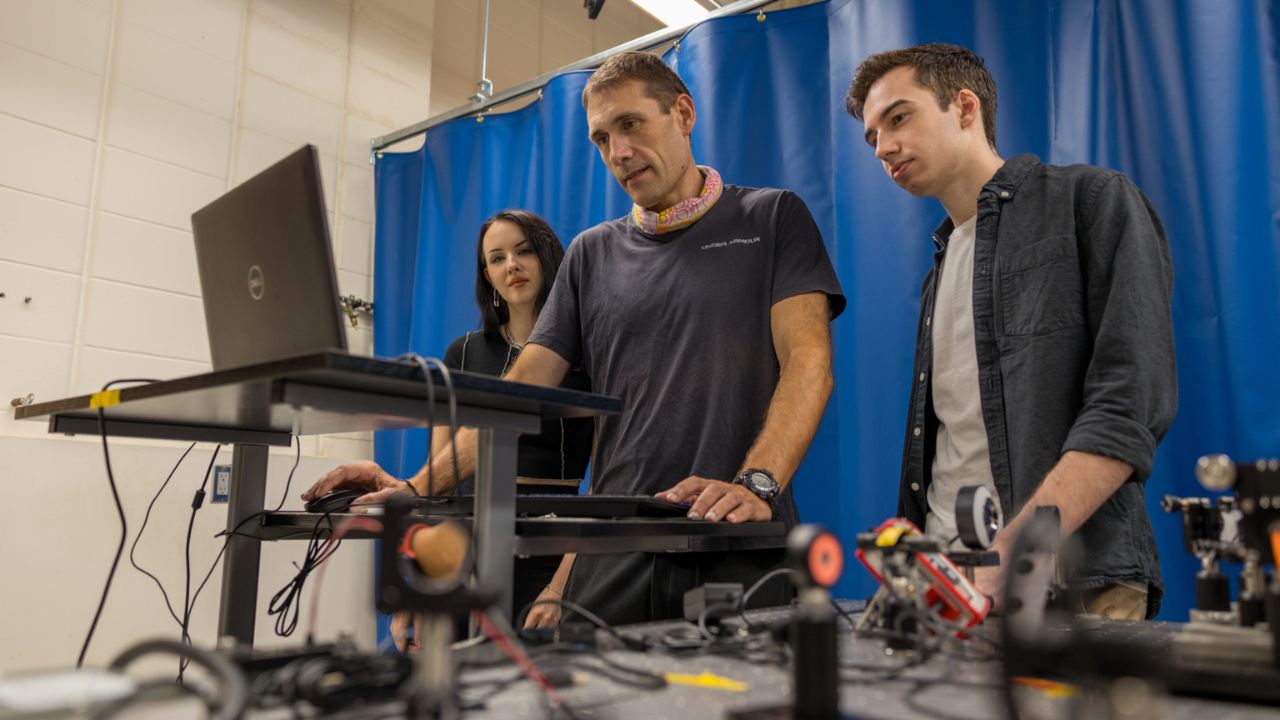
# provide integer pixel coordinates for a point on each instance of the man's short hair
(661, 83)
(943, 69)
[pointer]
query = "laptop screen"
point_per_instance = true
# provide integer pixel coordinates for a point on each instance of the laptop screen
(266, 267)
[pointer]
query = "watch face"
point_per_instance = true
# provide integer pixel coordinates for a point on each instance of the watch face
(761, 483)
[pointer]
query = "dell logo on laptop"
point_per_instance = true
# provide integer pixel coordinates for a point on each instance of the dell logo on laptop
(257, 285)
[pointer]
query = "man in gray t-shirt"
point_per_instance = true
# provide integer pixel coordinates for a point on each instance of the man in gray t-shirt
(706, 310)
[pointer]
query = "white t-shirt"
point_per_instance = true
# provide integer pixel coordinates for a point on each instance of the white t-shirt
(963, 457)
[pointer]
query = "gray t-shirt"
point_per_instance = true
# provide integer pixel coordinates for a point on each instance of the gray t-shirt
(677, 326)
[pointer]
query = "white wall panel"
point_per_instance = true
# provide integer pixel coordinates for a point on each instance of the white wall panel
(45, 161)
(388, 99)
(296, 61)
(162, 129)
(392, 44)
(51, 314)
(422, 14)
(65, 30)
(288, 114)
(355, 249)
(142, 253)
(350, 283)
(560, 46)
(64, 508)
(324, 22)
(359, 131)
(258, 151)
(31, 367)
(141, 320)
(39, 231)
(98, 366)
(148, 189)
(210, 26)
(357, 192)
(162, 66)
(49, 92)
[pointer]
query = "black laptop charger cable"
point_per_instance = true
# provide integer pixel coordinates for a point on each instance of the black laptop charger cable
(228, 534)
(133, 549)
(446, 375)
(197, 501)
(100, 401)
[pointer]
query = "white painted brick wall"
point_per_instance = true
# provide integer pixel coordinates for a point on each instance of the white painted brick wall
(154, 190)
(49, 92)
(50, 313)
(41, 231)
(151, 61)
(161, 129)
(170, 255)
(70, 31)
(45, 161)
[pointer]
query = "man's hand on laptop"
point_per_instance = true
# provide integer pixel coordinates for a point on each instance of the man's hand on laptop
(366, 475)
(718, 500)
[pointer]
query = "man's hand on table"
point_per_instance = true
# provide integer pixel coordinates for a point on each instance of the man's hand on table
(366, 475)
(715, 500)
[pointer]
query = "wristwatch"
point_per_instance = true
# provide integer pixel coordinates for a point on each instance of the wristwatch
(761, 484)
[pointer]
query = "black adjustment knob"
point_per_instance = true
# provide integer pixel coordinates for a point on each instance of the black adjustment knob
(1213, 593)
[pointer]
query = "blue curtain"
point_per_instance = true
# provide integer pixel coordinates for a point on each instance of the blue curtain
(1181, 95)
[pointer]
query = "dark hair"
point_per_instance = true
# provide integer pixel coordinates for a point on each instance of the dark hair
(943, 69)
(548, 249)
(661, 83)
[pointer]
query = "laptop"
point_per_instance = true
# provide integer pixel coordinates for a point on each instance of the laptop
(266, 267)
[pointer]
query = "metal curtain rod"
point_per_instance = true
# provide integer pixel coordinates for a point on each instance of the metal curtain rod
(646, 42)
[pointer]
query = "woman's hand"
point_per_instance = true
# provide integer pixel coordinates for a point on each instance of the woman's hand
(545, 614)
(400, 624)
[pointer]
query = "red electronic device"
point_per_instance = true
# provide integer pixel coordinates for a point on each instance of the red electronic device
(947, 591)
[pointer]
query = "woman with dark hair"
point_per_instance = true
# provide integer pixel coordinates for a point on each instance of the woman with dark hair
(517, 258)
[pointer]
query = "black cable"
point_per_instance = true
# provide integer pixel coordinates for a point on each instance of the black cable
(844, 614)
(609, 668)
(197, 501)
(746, 596)
(630, 642)
(124, 525)
(446, 375)
(138, 538)
(297, 458)
(235, 691)
(140, 691)
(285, 603)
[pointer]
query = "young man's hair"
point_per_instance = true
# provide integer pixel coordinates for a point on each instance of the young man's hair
(661, 83)
(546, 246)
(943, 69)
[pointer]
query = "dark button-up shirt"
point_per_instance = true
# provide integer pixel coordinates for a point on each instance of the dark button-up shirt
(1072, 287)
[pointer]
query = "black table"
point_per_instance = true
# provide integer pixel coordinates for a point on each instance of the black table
(263, 405)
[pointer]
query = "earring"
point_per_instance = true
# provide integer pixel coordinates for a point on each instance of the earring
(495, 297)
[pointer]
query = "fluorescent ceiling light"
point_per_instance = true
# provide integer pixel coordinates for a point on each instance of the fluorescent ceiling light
(674, 13)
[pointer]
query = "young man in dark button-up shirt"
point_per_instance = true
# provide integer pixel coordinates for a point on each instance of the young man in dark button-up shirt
(1044, 358)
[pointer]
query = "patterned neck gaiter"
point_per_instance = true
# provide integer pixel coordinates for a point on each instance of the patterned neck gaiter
(684, 213)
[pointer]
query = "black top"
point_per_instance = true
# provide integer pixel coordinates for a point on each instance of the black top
(1071, 303)
(563, 448)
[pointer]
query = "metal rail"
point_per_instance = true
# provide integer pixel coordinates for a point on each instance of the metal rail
(645, 42)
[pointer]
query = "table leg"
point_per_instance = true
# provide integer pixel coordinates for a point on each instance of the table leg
(495, 520)
(239, 608)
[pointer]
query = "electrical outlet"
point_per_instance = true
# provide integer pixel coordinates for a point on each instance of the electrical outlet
(221, 483)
